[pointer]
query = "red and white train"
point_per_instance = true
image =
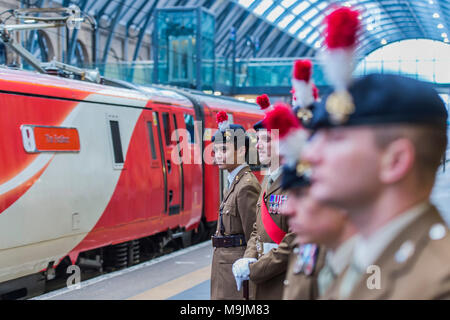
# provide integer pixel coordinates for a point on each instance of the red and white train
(86, 173)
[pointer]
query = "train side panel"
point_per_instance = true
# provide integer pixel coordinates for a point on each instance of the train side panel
(64, 202)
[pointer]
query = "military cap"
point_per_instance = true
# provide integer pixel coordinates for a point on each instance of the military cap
(294, 177)
(228, 132)
(379, 99)
(258, 125)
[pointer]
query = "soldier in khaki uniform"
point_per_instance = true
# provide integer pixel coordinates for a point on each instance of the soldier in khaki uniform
(269, 245)
(237, 210)
(377, 145)
(379, 163)
(318, 224)
(306, 257)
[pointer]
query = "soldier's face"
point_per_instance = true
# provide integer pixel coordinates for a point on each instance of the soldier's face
(225, 157)
(264, 146)
(313, 222)
(345, 164)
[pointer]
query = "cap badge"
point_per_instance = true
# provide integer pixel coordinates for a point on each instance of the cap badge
(304, 114)
(227, 135)
(340, 106)
(303, 168)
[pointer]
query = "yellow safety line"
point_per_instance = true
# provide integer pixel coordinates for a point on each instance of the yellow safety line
(175, 286)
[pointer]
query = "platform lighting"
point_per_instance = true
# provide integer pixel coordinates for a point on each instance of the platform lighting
(383, 41)
(440, 26)
(435, 15)
(369, 27)
(446, 40)
(430, 1)
(29, 21)
(443, 35)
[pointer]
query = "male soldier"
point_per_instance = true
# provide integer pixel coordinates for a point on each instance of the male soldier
(237, 210)
(306, 258)
(265, 259)
(378, 161)
(377, 145)
(318, 224)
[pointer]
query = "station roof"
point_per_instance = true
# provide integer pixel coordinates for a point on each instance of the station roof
(285, 28)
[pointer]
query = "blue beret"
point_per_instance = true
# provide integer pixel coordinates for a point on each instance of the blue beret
(258, 126)
(386, 99)
(234, 131)
(291, 178)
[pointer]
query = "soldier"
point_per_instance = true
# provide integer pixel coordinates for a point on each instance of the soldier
(377, 147)
(306, 258)
(265, 259)
(318, 224)
(237, 210)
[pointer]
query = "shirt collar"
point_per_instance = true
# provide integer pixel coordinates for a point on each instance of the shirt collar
(367, 251)
(234, 173)
(340, 258)
(276, 174)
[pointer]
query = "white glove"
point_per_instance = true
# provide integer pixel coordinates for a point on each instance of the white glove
(241, 270)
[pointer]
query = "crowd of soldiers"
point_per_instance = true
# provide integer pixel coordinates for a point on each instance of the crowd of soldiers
(344, 209)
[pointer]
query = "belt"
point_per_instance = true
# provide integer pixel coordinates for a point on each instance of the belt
(234, 240)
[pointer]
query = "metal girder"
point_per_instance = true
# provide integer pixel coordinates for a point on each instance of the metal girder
(261, 30)
(224, 32)
(142, 31)
(281, 42)
(232, 15)
(292, 46)
(268, 41)
(250, 22)
(112, 28)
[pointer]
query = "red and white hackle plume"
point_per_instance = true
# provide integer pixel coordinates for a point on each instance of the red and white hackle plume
(292, 136)
(263, 102)
(302, 86)
(315, 92)
(294, 98)
(222, 120)
(342, 26)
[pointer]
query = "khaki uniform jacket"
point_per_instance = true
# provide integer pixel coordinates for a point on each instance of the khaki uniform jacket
(420, 273)
(299, 286)
(268, 273)
(238, 208)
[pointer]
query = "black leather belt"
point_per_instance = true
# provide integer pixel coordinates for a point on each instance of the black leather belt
(234, 240)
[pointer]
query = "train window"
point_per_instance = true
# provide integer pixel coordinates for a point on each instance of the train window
(189, 121)
(166, 122)
(117, 144)
(152, 140)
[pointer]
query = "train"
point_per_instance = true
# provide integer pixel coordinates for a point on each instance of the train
(89, 173)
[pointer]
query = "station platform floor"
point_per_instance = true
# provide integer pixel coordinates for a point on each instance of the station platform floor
(181, 275)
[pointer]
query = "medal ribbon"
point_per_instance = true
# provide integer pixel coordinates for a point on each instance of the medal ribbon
(272, 229)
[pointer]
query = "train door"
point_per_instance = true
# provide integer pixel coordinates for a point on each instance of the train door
(157, 181)
(191, 174)
(172, 170)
